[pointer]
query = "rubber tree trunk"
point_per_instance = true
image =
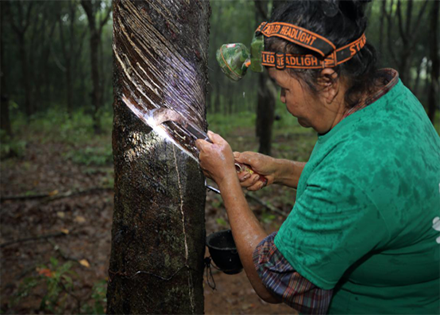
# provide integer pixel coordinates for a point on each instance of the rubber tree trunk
(158, 234)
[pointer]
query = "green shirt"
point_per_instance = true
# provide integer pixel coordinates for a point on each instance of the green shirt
(367, 200)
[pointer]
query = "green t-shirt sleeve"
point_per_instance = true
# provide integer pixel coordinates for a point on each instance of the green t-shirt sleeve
(332, 226)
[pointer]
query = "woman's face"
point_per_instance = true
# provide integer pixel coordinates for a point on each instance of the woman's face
(311, 110)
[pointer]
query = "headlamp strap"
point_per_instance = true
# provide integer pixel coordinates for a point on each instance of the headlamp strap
(297, 35)
(309, 40)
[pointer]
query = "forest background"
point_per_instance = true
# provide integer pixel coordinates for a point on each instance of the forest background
(56, 151)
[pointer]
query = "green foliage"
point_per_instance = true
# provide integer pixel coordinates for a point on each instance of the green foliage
(98, 299)
(223, 124)
(24, 290)
(56, 125)
(222, 222)
(98, 156)
(58, 285)
(11, 147)
(267, 217)
(57, 280)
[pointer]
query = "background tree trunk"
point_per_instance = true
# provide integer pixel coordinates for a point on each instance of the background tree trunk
(433, 98)
(90, 7)
(20, 25)
(158, 234)
(266, 97)
(267, 92)
(408, 31)
(5, 122)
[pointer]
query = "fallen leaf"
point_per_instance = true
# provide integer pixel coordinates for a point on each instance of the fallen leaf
(61, 214)
(84, 263)
(53, 193)
(65, 231)
(45, 272)
(80, 219)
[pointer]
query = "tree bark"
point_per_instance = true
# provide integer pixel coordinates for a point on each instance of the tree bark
(433, 98)
(158, 234)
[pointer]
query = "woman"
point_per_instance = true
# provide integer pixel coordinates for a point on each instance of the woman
(363, 234)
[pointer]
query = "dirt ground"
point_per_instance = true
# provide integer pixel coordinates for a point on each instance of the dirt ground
(72, 224)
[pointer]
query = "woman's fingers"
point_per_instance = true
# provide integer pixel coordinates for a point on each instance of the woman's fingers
(257, 186)
(247, 180)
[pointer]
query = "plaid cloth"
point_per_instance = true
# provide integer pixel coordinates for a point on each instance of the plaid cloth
(281, 279)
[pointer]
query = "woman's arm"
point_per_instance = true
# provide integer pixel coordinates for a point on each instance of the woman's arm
(217, 162)
(277, 171)
(247, 233)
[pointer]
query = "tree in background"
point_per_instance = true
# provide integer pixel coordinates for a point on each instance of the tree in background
(158, 234)
(48, 61)
(71, 45)
(433, 99)
(96, 25)
(19, 14)
(231, 22)
(267, 94)
(401, 46)
(5, 122)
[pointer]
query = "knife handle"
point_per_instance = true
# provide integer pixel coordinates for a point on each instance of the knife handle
(241, 167)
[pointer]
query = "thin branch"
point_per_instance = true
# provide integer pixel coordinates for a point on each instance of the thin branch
(81, 40)
(52, 197)
(35, 238)
(28, 16)
(259, 6)
(11, 17)
(417, 26)
(409, 6)
(63, 43)
(382, 17)
(400, 23)
(389, 37)
(104, 21)
(266, 205)
(62, 253)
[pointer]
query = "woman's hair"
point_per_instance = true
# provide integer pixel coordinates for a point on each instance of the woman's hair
(341, 22)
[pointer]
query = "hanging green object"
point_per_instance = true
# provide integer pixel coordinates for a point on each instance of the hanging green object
(234, 60)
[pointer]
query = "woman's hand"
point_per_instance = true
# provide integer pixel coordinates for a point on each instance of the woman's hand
(216, 159)
(261, 164)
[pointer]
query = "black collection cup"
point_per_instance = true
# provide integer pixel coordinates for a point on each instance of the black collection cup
(223, 252)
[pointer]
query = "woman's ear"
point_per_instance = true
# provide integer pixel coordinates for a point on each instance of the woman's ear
(329, 83)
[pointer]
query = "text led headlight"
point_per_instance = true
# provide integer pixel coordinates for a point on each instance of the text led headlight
(234, 59)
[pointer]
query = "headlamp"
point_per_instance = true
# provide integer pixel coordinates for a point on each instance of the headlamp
(235, 59)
